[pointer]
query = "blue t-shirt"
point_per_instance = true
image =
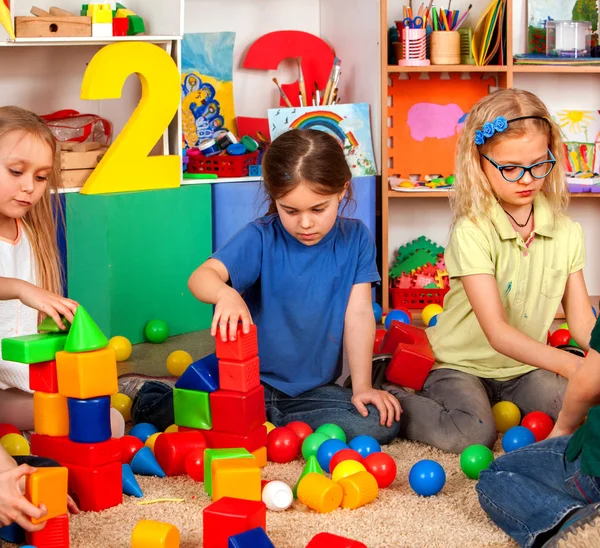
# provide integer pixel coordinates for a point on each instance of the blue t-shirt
(298, 296)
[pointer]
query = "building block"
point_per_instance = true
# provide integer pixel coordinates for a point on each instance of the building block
(41, 347)
(312, 466)
(102, 29)
(320, 493)
(359, 489)
(228, 517)
(329, 540)
(50, 414)
(89, 420)
(245, 346)
(55, 534)
(13, 533)
(43, 377)
(155, 534)
(239, 376)
(260, 455)
(84, 335)
(202, 375)
(130, 485)
(48, 325)
(63, 450)
(171, 450)
(221, 440)
(192, 408)
(236, 478)
(85, 375)
(100, 13)
(48, 486)
(421, 243)
(211, 455)
(255, 538)
(413, 262)
(96, 488)
(238, 412)
(124, 12)
(120, 26)
(136, 25)
(144, 463)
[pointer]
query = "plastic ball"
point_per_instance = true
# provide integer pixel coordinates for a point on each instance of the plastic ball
(156, 331)
(427, 478)
(270, 426)
(378, 311)
(429, 312)
(194, 464)
(6, 428)
(277, 496)
(311, 444)
(302, 429)
(121, 346)
(130, 445)
(326, 451)
(178, 362)
(539, 423)
(382, 467)
(506, 415)
(143, 431)
(344, 455)
(365, 445)
(433, 321)
(152, 440)
(172, 428)
(117, 423)
(560, 337)
(594, 312)
(332, 431)
(15, 445)
(397, 316)
(517, 437)
(122, 403)
(474, 459)
(283, 445)
(346, 468)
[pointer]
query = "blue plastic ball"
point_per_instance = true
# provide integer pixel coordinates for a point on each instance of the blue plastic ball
(326, 451)
(378, 311)
(398, 315)
(143, 431)
(517, 437)
(365, 445)
(427, 478)
(433, 321)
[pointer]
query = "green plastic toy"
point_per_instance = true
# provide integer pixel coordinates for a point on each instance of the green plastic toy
(211, 455)
(192, 408)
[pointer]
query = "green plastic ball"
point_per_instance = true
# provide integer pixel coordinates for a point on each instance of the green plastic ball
(474, 459)
(157, 331)
(332, 431)
(311, 444)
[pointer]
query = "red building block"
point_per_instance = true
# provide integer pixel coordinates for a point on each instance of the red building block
(222, 440)
(327, 540)
(66, 451)
(96, 488)
(120, 26)
(42, 377)
(172, 448)
(239, 376)
(54, 535)
(229, 516)
(237, 412)
(379, 336)
(245, 346)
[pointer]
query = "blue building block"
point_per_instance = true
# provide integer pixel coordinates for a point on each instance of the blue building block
(202, 375)
(255, 171)
(89, 420)
(12, 533)
(255, 538)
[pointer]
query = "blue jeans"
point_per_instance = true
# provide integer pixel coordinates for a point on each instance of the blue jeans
(529, 492)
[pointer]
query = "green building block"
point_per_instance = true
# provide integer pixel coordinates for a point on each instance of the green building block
(41, 347)
(48, 325)
(421, 243)
(136, 25)
(84, 335)
(214, 454)
(416, 260)
(192, 408)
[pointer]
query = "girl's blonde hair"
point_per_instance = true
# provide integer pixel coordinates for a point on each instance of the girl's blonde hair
(473, 195)
(41, 222)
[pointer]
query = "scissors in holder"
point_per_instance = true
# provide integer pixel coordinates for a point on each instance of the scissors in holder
(415, 23)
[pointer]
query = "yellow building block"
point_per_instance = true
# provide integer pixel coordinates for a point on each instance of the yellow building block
(124, 12)
(100, 13)
(155, 534)
(48, 486)
(86, 375)
(50, 414)
(359, 489)
(320, 493)
(236, 478)
(261, 456)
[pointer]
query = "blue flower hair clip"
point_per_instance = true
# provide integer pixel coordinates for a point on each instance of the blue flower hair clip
(489, 129)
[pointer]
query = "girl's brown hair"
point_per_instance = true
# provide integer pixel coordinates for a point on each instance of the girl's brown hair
(41, 221)
(305, 156)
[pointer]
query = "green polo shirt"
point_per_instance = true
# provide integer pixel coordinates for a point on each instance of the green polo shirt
(530, 276)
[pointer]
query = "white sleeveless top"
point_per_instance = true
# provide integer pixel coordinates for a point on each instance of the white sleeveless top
(16, 261)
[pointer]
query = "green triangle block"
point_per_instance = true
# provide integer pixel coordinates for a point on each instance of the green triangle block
(84, 335)
(48, 325)
(312, 466)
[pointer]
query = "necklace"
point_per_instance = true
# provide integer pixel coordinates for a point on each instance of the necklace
(519, 224)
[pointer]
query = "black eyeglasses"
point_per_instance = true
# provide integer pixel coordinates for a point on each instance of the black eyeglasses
(513, 173)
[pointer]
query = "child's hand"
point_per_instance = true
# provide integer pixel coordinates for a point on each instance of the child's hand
(48, 303)
(72, 505)
(229, 309)
(14, 507)
(388, 406)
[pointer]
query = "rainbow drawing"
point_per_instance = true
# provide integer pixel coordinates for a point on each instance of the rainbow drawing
(324, 119)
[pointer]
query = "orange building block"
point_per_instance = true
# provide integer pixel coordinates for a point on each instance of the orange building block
(155, 534)
(359, 489)
(48, 486)
(261, 456)
(50, 414)
(236, 478)
(320, 493)
(85, 375)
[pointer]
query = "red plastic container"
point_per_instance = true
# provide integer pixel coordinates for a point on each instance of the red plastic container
(224, 165)
(416, 298)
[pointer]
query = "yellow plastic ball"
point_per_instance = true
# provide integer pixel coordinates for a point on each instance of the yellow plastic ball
(429, 312)
(270, 426)
(178, 361)
(172, 428)
(152, 440)
(15, 445)
(346, 468)
(121, 346)
(122, 403)
(506, 415)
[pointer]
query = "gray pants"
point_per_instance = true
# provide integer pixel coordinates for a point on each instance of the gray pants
(454, 409)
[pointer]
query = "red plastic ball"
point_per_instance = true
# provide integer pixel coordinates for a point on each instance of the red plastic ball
(539, 423)
(130, 445)
(6, 428)
(382, 467)
(342, 455)
(194, 464)
(302, 429)
(379, 336)
(283, 445)
(560, 337)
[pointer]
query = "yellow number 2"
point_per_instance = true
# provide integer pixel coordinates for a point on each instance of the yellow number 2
(126, 165)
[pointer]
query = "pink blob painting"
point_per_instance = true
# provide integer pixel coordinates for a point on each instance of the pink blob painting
(434, 121)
